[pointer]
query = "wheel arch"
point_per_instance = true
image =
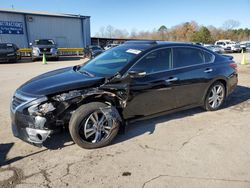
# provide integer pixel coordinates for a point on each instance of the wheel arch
(221, 79)
(111, 100)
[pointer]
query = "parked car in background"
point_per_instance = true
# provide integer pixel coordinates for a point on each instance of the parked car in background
(134, 81)
(44, 46)
(214, 48)
(198, 43)
(92, 51)
(228, 45)
(245, 45)
(110, 46)
(9, 52)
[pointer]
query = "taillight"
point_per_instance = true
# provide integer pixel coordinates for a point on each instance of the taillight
(233, 65)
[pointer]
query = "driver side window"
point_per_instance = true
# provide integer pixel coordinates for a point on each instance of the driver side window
(159, 60)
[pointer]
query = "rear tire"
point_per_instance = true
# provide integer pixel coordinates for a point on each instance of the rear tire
(87, 135)
(215, 96)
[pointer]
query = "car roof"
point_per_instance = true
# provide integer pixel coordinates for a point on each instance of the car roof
(155, 44)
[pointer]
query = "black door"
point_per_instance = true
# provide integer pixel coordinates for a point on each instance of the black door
(152, 93)
(193, 70)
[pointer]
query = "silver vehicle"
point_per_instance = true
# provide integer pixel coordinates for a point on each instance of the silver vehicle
(228, 45)
(44, 46)
(214, 48)
(110, 46)
(245, 45)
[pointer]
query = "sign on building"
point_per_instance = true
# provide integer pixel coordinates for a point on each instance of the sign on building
(10, 27)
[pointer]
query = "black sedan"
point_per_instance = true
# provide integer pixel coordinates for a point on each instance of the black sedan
(92, 51)
(136, 80)
(8, 52)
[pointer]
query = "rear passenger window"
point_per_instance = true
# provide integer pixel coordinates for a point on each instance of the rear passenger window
(155, 61)
(187, 56)
(208, 57)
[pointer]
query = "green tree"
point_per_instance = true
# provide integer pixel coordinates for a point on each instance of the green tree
(162, 30)
(203, 36)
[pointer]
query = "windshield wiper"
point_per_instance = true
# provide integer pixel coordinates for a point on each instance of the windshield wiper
(87, 73)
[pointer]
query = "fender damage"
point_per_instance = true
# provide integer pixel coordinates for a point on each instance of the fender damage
(53, 112)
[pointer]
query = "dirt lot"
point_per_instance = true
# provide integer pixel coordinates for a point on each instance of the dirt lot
(193, 148)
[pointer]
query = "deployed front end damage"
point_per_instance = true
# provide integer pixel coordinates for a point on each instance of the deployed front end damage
(29, 118)
(34, 119)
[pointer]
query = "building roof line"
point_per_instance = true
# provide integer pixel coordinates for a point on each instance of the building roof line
(40, 13)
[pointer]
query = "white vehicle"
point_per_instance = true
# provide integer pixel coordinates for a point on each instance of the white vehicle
(110, 46)
(228, 45)
(214, 48)
(245, 45)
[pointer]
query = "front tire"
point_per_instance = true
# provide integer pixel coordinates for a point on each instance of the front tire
(90, 128)
(215, 96)
(33, 59)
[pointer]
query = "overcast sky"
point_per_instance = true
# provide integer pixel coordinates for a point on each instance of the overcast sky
(143, 14)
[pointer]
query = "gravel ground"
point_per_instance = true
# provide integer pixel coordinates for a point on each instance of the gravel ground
(192, 148)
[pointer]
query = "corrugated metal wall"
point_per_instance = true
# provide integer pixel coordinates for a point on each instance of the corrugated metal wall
(86, 31)
(21, 39)
(67, 32)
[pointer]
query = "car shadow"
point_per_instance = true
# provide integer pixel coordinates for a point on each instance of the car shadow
(26, 60)
(4, 150)
(62, 139)
(5, 161)
(148, 126)
(238, 97)
(70, 58)
(57, 141)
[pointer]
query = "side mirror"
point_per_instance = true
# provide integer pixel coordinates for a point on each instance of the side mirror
(137, 74)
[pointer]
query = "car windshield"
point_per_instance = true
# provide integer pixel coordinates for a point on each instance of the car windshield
(6, 48)
(44, 42)
(110, 62)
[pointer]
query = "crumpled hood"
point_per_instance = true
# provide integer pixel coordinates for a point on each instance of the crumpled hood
(58, 81)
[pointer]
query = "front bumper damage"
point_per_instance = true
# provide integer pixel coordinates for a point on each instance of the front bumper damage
(25, 125)
(34, 119)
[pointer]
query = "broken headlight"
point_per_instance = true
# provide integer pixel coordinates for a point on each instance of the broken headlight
(41, 109)
(45, 108)
(67, 96)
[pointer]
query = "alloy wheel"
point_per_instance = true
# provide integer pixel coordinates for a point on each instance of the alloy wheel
(96, 127)
(216, 96)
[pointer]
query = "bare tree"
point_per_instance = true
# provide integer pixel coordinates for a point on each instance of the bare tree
(181, 32)
(110, 30)
(230, 24)
(133, 34)
(102, 31)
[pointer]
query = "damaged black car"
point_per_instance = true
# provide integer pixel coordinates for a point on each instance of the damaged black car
(134, 81)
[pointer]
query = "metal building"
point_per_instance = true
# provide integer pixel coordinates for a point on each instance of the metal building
(21, 28)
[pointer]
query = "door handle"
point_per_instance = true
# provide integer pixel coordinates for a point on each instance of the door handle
(172, 79)
(208, 70)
